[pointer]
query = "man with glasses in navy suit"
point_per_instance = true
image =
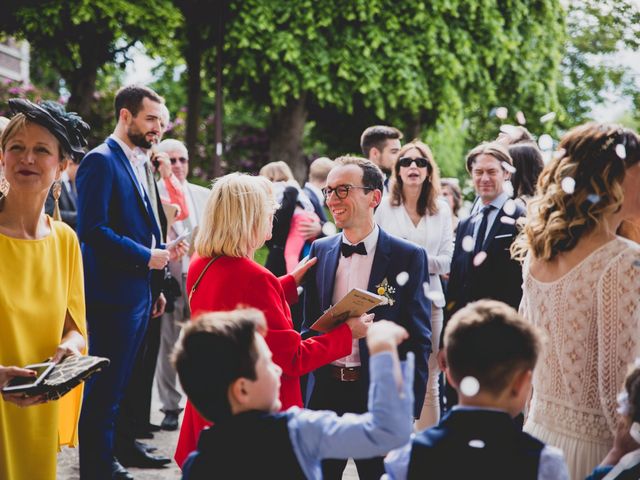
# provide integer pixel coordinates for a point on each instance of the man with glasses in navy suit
(364, 256)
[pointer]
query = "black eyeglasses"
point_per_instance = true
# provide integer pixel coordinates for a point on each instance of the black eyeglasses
(342, 191)
(175, 159)
(421, 162)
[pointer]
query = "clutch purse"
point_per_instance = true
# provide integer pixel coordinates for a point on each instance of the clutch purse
(68, 374)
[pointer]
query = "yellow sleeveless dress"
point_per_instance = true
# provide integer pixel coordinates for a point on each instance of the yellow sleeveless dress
(40, 280)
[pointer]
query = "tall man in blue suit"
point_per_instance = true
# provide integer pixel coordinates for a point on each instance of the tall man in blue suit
(364, 256)
(121, 243)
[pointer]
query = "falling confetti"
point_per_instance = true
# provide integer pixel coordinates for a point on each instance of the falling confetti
(547, 117)
(329, 229)
(568, 184)
(509, 130)
(467, 243)
(479, 258)
(507, 186)
(522, 120)
(476, 443)
(508, 167)
(502, 112)
(621, 151)
(593, 198)
(507, 220)
(469, 386)
(545, 142)
(509, 207)
(402, 278)
(558, 154)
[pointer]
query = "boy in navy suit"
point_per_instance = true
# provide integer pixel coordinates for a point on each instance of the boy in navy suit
(491, 353)
(225, 368)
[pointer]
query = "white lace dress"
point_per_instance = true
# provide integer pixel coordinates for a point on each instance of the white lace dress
(591, 318)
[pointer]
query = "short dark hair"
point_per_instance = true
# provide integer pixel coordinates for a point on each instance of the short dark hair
(490, 341)
(528, 162)
(215, 350)
(131, 98)
(493, 149)
(377, 136)
(372, 176)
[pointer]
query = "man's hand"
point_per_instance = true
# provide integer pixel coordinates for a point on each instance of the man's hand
(360, 325)
(159, 259)
(158, 307)
(178, 250)
(164, 164)
(301, 269)
(309, 229)
(385, 336)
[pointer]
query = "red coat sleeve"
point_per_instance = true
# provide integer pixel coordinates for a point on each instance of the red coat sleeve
(295, 356)
(289, 288)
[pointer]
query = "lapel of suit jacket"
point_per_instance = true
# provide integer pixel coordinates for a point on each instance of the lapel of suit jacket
(66, 198)
(144, 201)
(381, 260)
(328, 272)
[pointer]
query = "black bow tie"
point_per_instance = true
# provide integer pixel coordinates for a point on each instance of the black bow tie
(348, 250)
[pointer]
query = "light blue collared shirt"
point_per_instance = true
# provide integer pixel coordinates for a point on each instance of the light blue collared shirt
(316, 435)
(497, 204)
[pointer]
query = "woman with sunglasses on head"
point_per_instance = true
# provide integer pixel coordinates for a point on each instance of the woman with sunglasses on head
(415, 211)
(42, 307)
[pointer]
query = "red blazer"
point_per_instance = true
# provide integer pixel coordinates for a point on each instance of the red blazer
(233, 282)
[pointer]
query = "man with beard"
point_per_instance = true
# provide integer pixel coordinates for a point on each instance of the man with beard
(121, 241)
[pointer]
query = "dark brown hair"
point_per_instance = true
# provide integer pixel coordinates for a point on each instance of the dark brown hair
(131, 98)
(372, 177)
(377, 136)
(493, 149)
(490, 341)
(430, 191)
(528, 162)
(215, 350)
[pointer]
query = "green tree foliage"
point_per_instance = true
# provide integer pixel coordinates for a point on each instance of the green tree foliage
(78, 37)
(596, 31)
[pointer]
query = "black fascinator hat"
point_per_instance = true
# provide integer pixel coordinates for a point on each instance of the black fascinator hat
(67, 127)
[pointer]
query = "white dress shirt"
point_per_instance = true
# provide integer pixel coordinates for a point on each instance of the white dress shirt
(434, 233)
(354, 272)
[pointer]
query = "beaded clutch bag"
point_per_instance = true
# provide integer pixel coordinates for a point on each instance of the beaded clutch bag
(68, 374)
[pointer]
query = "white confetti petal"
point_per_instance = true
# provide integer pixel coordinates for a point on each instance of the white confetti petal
(509, 207)
(547, 117)
(402, 278)
(476, 443)
(329, 229)
(521, 118)
(509, 130)
(568, 184)
(558, 154)
(502, 112)
(469, 386)
(426, 289)
(508, 167)
(507, 186)
(435, 296)
(508, 220)
(621, 151)
(479, 258)
(545, 142)
(593, 198)
(467, 243)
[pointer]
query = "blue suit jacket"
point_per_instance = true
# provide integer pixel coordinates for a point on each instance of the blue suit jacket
(115, 227)
(411, 309)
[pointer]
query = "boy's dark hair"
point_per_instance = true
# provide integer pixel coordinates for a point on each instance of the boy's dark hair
(215, 350)
(490, 341)
(131, 97)
(377, 136)
(372, 176)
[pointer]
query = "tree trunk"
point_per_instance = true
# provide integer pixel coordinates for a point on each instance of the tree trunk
(82, 85)
(286, 132)
(193, 56)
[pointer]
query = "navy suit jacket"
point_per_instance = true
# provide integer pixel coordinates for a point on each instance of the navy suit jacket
(115, 227)
(498, 277)
(411, 309)
(317, 206)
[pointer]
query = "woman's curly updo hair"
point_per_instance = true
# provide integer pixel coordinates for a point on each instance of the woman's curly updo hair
(558, 217)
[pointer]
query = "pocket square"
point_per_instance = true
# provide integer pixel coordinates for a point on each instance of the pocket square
(506, 235)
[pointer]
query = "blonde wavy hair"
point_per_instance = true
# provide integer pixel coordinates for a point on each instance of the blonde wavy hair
(556, 217)
(237, 217)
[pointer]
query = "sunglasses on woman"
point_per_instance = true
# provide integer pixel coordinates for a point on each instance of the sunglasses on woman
(421, 162)
(182, 160)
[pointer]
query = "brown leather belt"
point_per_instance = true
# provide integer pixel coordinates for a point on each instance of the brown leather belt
(345, 374)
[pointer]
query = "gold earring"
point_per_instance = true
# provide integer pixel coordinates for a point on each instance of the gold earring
(4, 185)
(55, 191)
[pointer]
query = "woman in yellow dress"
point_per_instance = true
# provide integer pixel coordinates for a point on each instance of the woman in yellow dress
(42, 309)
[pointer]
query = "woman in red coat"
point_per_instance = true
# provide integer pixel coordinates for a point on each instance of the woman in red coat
(237, 221)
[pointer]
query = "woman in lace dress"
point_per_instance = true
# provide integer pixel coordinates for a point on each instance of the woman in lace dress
(581, 286)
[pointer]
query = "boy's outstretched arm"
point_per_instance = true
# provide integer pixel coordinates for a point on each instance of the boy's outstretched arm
(316, 435)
